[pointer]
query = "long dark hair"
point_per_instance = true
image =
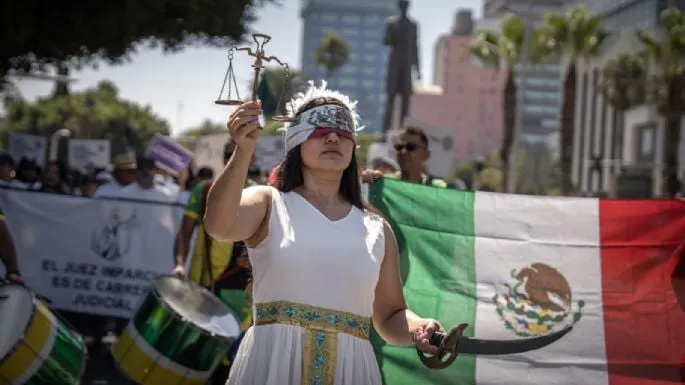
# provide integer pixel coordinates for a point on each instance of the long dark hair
(290, 174)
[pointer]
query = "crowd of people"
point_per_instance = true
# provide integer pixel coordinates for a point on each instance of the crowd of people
(129, 177)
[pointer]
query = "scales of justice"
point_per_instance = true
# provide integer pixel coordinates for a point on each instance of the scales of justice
(260, 58)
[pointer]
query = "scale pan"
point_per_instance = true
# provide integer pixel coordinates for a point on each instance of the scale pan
(228, 102)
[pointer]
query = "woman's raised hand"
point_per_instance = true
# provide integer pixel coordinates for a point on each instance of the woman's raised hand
(244, 126)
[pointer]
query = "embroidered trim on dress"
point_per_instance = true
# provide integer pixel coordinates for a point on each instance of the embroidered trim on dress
(321, 328)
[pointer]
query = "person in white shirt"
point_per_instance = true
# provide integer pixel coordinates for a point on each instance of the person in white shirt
(163, 178)
(145, 188)
(124, 174)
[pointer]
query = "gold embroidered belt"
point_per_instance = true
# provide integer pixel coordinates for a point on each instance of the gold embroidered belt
(321, 328)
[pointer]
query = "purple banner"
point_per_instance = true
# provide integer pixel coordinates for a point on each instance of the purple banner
(168, 155)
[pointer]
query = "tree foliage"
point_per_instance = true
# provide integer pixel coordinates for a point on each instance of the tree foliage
(666, 86)
(623, 82)
(188, 137)
(332, 53)
(575, 35)
(77, 32)
(96, 113)
(504, 48)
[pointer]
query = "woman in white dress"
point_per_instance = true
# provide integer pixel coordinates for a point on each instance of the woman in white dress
(324, 265)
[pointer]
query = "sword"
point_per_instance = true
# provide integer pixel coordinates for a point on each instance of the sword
(452, 343)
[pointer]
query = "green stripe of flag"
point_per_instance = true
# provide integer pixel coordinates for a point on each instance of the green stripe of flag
(434, 229)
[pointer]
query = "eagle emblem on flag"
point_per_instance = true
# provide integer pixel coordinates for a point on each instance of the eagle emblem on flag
(539, 301)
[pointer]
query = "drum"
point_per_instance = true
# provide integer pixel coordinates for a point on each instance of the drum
(178, 335)
(35, 347)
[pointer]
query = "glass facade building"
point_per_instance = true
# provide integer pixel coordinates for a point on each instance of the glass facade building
(362, 24)
(543, 88)
(631, 14)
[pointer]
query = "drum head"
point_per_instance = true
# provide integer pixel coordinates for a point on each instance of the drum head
(198, 306)
(16, 309)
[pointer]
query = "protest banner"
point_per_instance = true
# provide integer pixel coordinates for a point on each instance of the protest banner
(32, 147)
(85, 153)
(168, 155)
(93, 256)
(209, 151)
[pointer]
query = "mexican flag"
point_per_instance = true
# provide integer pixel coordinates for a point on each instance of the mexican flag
(514, 266)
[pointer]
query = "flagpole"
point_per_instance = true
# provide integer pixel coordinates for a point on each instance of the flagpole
(520, 99)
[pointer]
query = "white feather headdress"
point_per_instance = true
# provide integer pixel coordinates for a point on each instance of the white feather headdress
(313, 92)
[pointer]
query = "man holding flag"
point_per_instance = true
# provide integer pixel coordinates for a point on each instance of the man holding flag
(412, 155)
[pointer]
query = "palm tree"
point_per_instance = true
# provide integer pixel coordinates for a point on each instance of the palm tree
(666, 85)
(575, 35)
(497, 49)
(332, 53)
(623, 86)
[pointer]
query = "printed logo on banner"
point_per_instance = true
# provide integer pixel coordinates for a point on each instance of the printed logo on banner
(114, 240)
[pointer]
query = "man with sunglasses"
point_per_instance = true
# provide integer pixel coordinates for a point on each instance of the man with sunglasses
(412, 155)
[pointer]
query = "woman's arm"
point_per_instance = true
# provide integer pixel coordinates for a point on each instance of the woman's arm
(395, 323)
(233, 214)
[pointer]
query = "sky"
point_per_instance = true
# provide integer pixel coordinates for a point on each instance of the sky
(182, 87)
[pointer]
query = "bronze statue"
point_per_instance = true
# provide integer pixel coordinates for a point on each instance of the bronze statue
(401, 35)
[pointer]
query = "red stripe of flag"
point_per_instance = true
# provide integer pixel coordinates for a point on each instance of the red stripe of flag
(643, 269)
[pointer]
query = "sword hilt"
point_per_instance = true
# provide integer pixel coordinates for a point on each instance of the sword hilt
(447, 347)
(437, 338)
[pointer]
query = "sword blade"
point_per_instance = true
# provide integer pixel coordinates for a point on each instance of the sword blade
(468, 345)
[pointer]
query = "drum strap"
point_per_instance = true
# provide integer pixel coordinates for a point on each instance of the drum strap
(207, 265)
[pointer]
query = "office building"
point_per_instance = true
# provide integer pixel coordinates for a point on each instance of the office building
(362, 24)
(608, 143)
(533, 9)
(630, 14)
(543, 87)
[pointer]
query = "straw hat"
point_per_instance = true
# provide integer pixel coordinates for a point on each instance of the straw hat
(125, 162)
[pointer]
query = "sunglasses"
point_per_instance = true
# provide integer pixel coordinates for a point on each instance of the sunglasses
(407, 146)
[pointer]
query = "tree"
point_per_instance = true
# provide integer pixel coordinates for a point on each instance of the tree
(575, 35)
(623, 86)
(666, 86)
(67, 34)
(96, 113)
(188, 137)
(504, 48)
(489, 180)
(332, 53)
(623, 81)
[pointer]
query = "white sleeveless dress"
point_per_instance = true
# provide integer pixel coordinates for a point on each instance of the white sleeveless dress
(313, 292)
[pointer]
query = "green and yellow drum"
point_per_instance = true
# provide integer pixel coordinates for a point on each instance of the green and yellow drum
(35, 347)
(178, 335)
